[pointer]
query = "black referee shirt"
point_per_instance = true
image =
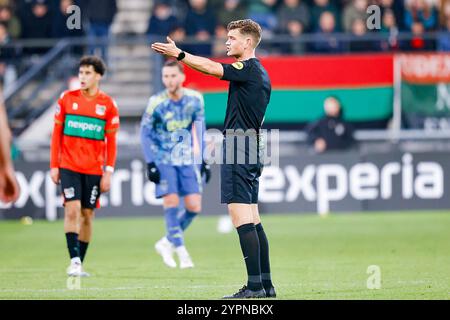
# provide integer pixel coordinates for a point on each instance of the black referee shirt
(248, 94)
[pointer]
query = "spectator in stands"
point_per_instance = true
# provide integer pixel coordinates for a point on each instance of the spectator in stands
(162, 20)
(418, 42)
(219, 47)
(11, 21)
(293, 11)
(293, 17)
(325, 40)
(319, 7)
(200, 23)
(60, 17)
(396, 7)
(420, 11)
(178, 34)
(360, 43)
(231, 10)
(444, 13)
(444, 38)
(37, 24)
(331, 132)
(356, 10)
(390, 30)
(264, 13)
(100, 15)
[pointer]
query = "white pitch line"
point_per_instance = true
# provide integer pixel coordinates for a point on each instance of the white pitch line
(113, 289)
(70, 290)
(129, 288)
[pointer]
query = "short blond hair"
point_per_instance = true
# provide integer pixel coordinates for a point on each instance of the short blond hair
(247, 27)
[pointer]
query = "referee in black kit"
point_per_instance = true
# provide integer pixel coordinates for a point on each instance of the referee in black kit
(248, 97)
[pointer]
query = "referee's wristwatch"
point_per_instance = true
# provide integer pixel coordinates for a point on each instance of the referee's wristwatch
(181, 56)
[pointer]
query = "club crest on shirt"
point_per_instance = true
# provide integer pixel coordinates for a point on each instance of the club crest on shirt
(238, 65)
(100, 110)
(75, 106)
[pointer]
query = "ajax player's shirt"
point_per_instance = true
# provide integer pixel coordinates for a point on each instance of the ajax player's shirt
(165, 126)
(86, 123)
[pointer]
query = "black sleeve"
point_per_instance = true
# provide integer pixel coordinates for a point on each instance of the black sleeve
(237, 71)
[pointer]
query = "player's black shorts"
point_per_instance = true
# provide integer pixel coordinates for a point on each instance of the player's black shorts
(80, 186)
(240, 181)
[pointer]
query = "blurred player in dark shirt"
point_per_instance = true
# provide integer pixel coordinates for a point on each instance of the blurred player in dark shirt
(331, 132)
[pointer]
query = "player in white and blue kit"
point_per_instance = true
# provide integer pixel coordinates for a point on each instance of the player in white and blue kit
(172, 131)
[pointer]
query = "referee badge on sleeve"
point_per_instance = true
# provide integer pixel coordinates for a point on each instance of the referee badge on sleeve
(238, 65)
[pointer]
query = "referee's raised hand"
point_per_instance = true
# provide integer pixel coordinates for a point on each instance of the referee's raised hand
(169, 49)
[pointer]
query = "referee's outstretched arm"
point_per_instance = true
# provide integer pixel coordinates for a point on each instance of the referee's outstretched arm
(201, 64)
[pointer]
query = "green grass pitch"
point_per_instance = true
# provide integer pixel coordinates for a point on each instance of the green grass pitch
(312, 258)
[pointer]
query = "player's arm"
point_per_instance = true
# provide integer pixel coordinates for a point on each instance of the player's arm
(9, 188)
(55, 145)
(200, 133)
(204, 65)
(5, 140)
(147, 128)
(148, 141)
(111, 149)
(111, 130)
(199, 123)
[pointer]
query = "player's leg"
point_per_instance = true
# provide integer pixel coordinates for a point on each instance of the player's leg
(242, 217)
(90, 194)
(167, 189)
(173, 229)
(191, 188)
(84, 238)
(264, 253)
(71, 188)
(175, 235)
(87, 216)
(72, 213)
(263, 242)
(237, 192)
(193, 206)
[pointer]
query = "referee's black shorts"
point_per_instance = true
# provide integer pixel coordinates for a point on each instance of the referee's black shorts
(240, 170)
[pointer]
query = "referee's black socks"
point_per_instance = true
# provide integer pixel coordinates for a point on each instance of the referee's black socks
(249, 240)
(264, 257)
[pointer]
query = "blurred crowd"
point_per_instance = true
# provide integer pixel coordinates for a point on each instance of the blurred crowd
(207, 19)
(322, 19)
(47, 19)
